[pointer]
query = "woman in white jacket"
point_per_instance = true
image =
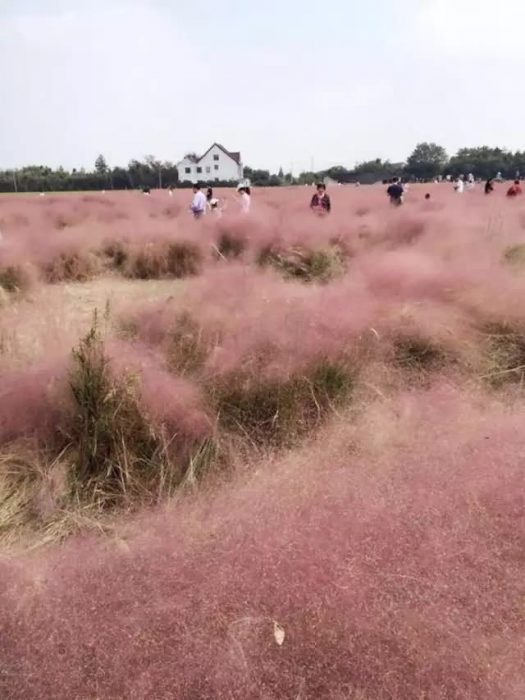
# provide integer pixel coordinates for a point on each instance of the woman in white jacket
(246, 198)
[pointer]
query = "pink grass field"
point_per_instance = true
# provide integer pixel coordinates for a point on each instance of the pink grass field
(385, 539)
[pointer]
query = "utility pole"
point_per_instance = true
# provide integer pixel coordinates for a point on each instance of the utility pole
(160, 175)
(15, 184)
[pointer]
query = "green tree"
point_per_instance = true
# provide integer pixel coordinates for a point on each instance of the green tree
(371, 171)
(485, 162)
(101, 167)
(427, 161)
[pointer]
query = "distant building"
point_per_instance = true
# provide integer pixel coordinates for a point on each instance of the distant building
(216, 165)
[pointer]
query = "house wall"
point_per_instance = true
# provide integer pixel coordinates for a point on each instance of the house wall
(216, 165)
(183, 175)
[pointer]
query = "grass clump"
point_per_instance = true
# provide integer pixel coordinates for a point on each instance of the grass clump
(231, 246)
(71, 267)
(20, 479)
(279, 412)
(504, 353)
(13, 279)
(32, 489)
(116, 254)
(418, 355)
(321, 265)
(114, 449)
(171, 260)
(515, 255)
(188, 347)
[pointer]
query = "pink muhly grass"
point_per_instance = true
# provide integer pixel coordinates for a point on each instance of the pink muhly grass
(170, 402)
(251, 316)
(392, 574)
(30, 401)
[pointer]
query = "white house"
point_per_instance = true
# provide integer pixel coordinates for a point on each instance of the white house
(217, 164)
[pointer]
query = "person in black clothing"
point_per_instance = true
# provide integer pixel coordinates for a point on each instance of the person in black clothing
(395, 192)
(489, 186)
(321, 201)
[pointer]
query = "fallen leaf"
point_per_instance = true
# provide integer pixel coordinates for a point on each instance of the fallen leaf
(278, 633)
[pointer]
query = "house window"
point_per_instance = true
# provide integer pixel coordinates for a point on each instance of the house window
(216, 167)
(199, 170)
(208, 169)
(215, 157)
(187, 171)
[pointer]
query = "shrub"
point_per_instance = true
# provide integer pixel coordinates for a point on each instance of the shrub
(278, 412)
(417, 354)
(187, 345)
(515, 254)
(114, 447)
(31, 490)
(231, 245)
(14, 279)
(117, 254)
(71, 267)
(168, 260)
(321, 265)
(184, 259)
(504, 353)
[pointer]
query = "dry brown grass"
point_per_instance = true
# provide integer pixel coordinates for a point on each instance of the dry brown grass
(54, 317)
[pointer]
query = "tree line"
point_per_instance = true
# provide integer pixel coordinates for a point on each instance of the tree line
(427, 162)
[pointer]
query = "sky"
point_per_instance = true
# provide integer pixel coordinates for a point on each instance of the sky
(291, 83)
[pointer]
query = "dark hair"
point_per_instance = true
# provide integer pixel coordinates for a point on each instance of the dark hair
(209, 193)
(197, 186)
(427, 196)
(321, 186)
(516, 182)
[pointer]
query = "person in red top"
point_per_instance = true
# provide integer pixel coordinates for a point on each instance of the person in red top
(321, 203)
(515, 190)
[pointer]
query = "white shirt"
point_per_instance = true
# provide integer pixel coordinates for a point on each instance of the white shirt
(459, 186)
(246, 203)
(198, 206)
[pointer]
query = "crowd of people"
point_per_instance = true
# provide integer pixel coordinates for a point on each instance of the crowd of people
(321, 204)
(203, 204)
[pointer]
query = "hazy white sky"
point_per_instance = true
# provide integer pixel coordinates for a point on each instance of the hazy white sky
(284, 81)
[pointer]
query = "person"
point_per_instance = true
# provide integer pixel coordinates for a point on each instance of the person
(515, 189)
(246, 198)
(170, 191)
(212, 202)
(489, 186)
(320, 202)
(459, 185)
(396, 192)
(198, 205)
